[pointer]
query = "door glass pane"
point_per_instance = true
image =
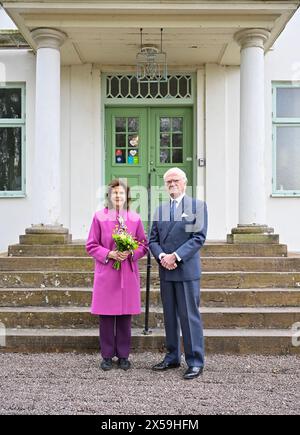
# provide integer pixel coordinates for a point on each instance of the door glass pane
(177, 140)
(10, 159)
(120, 124)
(177, 156)
(177, 124)
(288, 103)
(171, 136)
(165, 140)
(133, 157)
(133, 125)
(127, 140)
(10, 103)
(165, 124)
(165, 156)
(288, 158)
(120, 140)
(120, 156)
(133, 141)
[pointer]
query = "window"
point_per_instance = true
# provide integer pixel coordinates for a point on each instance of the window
(12, 140)
(286, 139)
(127, 143)
(171, 140)
(178, 87)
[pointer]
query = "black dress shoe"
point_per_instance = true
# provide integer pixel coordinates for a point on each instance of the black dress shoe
(106, 364)
(124, 364)
(193, 372)
(165, 366)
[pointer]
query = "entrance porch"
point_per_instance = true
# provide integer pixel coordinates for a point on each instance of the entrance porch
(250, 287)
(104, 37)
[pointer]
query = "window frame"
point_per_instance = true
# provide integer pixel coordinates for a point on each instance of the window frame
(18, 122)
(281, 122)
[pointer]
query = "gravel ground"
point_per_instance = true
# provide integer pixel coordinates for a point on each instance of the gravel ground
(74, 384)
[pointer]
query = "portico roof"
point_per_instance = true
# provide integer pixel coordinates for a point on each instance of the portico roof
(108, 32)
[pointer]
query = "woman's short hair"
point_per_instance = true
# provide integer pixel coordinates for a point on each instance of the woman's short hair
(117, 182)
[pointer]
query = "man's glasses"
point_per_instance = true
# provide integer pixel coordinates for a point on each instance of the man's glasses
(169, 182)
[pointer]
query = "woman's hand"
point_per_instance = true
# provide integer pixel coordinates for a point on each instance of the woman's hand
(123, 255)
(113, 255)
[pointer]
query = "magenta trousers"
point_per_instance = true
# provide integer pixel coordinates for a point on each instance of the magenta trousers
(115, 336)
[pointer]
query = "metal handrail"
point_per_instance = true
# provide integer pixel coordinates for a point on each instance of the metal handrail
(149, 265)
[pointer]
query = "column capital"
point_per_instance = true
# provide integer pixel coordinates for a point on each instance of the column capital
(48, 38)
(252, 38)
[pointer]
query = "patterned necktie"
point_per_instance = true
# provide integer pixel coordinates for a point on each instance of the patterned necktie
(172, 211)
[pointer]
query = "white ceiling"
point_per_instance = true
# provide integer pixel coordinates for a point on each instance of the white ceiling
(108, 33)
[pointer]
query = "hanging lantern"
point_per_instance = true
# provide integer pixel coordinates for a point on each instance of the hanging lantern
(151, 64)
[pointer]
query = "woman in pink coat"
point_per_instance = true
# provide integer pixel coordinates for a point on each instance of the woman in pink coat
(116, 293)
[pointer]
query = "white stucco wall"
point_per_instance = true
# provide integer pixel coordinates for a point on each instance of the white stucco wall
(222, 142)
(82, 160)
(282, 63)
(222, 148)
(16, 213)
(82, 145)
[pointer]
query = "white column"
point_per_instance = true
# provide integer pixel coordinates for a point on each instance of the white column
(47, 185)
(252, 201)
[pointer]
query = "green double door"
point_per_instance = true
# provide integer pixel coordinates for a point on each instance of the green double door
(142, 141)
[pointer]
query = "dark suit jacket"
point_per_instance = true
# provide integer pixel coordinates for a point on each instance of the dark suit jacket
(185, 236)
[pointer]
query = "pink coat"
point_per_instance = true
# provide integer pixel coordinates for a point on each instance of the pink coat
(115, 292)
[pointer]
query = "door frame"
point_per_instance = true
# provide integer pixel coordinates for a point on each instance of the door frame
(148, 103)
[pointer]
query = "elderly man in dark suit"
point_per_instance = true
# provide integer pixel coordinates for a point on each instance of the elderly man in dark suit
(178, 232)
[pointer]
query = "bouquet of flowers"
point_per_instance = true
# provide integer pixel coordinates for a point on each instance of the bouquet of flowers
(124, 242)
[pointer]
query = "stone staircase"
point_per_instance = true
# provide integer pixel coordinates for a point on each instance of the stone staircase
(250, 298)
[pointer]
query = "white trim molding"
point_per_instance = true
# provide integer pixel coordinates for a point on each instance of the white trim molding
(48, 38)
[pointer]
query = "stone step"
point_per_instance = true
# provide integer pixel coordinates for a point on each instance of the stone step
(253, 238)
(251, 264)
(23, 279)
(255, 297)
(76, 264)
(55, 297)
(211, 249)
(233, 317)
(46, 297)
(226, 341)
(209, 264)
(42, 239)
(213, 317)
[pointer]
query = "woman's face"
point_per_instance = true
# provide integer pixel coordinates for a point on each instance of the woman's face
(118, 197)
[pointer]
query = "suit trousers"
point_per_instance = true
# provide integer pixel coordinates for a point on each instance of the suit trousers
(115, 336)
(181, 301)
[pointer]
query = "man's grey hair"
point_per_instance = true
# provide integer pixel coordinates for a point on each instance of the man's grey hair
(178, 171)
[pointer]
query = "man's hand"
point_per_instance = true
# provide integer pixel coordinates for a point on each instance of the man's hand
(169, 262)
(123, 255)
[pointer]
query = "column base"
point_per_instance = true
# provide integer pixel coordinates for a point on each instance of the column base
(252, 234)
(46, 235)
